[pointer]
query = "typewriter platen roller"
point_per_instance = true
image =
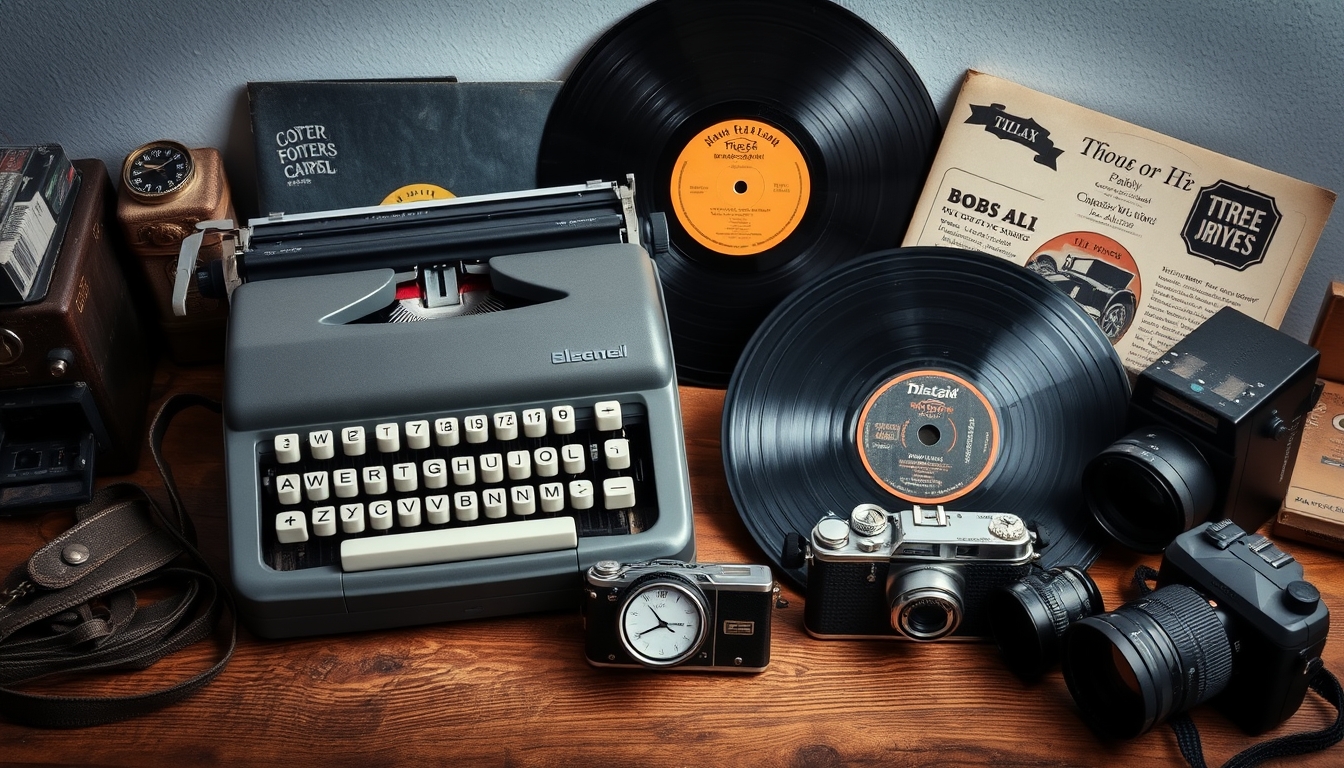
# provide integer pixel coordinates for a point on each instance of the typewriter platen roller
(471, 464)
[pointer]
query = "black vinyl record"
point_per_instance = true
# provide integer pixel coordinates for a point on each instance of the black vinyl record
(923, 376)
(777, 137)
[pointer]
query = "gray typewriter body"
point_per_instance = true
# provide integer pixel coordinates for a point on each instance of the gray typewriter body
(296, 364)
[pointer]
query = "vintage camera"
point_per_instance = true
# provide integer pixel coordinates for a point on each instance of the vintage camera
(1215, 423)
(923, 573)
(74, 367)
(1232, 622)
(666, 614)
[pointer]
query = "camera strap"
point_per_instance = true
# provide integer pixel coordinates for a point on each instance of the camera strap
(72, 608)
(1187, 735)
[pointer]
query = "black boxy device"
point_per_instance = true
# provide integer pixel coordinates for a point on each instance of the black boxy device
(1215, 427)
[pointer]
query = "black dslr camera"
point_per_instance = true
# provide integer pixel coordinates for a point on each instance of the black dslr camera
(667, 614)
(923, 573)
(1216, 423)
(1232, 621)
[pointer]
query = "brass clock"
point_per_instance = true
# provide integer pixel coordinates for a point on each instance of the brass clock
(166, 189)
(158, 172)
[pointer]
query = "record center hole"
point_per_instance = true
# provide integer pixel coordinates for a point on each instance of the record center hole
(929, 434)
(740, 187)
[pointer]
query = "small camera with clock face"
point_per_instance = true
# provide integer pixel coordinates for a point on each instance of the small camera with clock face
(667, 614)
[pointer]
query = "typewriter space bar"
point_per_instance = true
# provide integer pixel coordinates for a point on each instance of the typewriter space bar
(451, 545)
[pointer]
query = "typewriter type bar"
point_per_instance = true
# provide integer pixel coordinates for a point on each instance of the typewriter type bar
(409, 237)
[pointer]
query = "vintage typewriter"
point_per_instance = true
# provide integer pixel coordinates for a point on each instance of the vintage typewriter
(443, 411)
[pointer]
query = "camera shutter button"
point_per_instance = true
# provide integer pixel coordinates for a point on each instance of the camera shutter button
(832, 533)
(1301, 597)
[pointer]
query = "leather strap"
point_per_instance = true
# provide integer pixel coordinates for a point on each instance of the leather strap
(73, 609)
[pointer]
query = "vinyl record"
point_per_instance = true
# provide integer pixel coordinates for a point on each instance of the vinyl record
(923, 376)
(777, 137)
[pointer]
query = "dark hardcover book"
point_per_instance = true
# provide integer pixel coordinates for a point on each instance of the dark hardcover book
(331, 144)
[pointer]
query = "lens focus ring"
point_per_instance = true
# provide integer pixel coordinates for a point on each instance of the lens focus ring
(1200, 640)
(1132, 669)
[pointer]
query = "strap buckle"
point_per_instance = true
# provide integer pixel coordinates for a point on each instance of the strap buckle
(8, 596)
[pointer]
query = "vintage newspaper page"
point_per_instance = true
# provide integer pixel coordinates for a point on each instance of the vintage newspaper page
(1148, 234)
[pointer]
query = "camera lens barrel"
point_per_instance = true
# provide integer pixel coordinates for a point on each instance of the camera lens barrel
(1028, 617)
(926, 602)
(1148, 487)
(1155, 657)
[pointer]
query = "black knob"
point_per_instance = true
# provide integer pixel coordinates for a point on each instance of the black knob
(1301, 597)
(1276, 427)
(658, 238)
(793, 551)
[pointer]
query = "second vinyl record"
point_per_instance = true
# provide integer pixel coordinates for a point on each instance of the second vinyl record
(927, 376)
(776, 138)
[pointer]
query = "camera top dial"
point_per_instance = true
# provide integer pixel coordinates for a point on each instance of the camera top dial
(664, 620)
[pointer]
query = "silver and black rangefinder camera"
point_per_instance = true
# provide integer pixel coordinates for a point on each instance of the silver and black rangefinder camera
(666, 614)
(922, 574)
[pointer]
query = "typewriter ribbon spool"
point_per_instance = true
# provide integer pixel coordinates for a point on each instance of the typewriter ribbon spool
(922, 376)
(778, 139)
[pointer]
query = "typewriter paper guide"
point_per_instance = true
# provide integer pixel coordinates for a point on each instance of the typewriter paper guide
(288, 367)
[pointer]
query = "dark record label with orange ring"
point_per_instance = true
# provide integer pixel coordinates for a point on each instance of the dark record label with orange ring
(928, 436)
(740, 187)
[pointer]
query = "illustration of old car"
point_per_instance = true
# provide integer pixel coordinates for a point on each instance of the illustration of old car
(1099, 287)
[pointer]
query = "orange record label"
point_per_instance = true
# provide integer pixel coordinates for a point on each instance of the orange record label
(740, 187)
(416, 193)
(928, 436)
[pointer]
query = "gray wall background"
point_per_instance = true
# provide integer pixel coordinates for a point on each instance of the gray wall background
(1260, 80)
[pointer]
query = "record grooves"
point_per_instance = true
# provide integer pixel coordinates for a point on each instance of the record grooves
(778, 137)
(922, 376)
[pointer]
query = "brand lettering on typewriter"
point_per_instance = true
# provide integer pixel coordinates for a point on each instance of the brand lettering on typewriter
(588, 355)
(945, 393)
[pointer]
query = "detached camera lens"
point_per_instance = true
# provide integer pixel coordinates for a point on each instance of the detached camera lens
(1028, 617)
(1148, 487)
(1132, 669)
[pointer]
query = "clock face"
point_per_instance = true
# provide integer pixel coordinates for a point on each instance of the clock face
(662, 623)
(157, 171)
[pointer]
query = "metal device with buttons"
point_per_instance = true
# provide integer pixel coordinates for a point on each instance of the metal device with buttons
(451, 459)
(667, 614)
(1233, 622)
(924, 573)
(1215, 427)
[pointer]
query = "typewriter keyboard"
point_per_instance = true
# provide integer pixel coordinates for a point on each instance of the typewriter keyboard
(455, 487)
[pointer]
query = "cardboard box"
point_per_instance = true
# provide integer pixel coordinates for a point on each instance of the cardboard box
(1149, 234)
(333, 144)
(1313, 510)
(36, 183)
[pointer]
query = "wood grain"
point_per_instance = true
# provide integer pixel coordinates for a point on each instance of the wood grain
(517, 692)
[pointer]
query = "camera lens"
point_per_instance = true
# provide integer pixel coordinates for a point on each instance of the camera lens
(1148, 487)
(1028, 617)
(1132, 669)
(925, 603)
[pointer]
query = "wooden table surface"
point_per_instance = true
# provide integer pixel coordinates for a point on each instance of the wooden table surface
(516, 691)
